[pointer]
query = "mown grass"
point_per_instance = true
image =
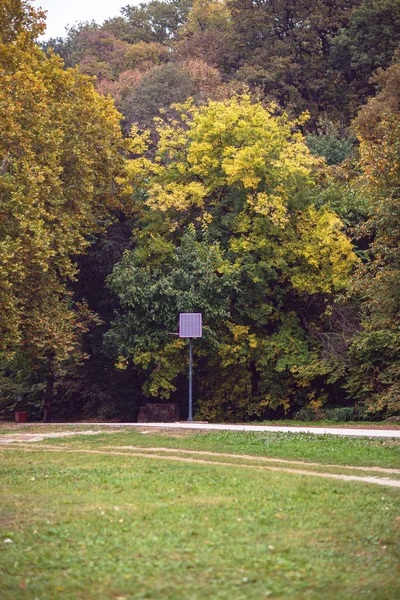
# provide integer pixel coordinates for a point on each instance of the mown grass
(120, 527)
(296, 446)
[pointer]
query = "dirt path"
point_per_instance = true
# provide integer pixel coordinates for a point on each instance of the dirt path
(163, 455)
(258, 458)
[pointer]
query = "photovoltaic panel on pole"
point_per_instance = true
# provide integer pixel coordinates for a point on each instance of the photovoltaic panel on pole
(190, 325)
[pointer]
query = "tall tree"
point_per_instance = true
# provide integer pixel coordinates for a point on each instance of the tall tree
(368, 42)
(60, 152)
(285, 47)
(158, 89)
(245, 175)
(193, 276)
(155, 21)
(375, 367)
(17, 16)
(207, 34)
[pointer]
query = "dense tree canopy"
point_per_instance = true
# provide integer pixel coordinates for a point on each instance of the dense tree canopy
(376, 350)
(285, 48)
(60, 152)
(242, 174)
(154, 21)
(255, 179)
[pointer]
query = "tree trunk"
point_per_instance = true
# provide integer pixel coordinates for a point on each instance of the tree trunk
(48, 398)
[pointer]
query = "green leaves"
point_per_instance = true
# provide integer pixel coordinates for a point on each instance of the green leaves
(244, 177)
(375, 366)
(193, 277)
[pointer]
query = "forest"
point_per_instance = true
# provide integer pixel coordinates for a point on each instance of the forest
(238, 158)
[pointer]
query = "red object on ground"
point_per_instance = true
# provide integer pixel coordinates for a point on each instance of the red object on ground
(21, 417)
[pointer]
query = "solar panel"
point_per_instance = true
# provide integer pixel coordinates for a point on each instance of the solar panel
(190, 325)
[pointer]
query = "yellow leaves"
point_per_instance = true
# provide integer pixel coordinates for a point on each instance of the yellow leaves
(252, 341)
(138, 142)
(136, 173)
(315, 401)
(323, 254)
(176, 195)
(295, 158)
(303, 118)
(201, 159)
(271, 205)
(239, 331)
(207, 218)
(234, 144)
(122, 363)
(205, 14)
(65, 146)
(245, 165)
(143, 359)
(239, 349)
(241, 245)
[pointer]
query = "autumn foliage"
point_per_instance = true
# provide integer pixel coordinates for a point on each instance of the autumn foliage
(60, 152)
(251, 174)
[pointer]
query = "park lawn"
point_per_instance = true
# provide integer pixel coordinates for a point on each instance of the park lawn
(322, 448)
(102, 526)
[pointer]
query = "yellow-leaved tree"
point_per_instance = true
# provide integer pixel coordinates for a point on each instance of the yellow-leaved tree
(242, 178)
(60, 151)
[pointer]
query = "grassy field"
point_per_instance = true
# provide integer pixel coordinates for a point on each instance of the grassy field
(124, 526)
(293, 446)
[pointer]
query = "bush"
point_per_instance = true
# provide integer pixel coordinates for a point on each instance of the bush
(306, 414)
(346, 413)
(341, 414)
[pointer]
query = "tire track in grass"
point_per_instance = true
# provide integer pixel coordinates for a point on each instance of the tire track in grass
(353, 478)
(259, 458)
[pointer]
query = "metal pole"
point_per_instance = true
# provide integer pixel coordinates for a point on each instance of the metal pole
(190, 382)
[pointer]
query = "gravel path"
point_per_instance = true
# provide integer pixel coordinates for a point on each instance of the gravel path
(350, 432)
(8, 438)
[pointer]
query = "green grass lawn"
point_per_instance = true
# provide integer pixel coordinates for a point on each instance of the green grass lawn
(297, 446)
(101, 526)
